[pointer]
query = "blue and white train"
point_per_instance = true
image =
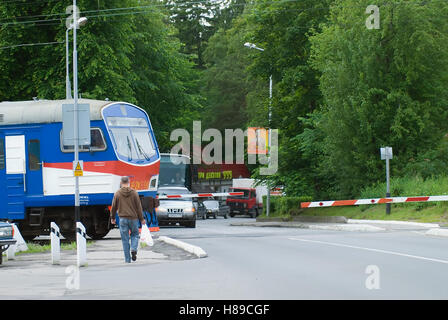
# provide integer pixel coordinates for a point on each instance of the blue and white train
(36, 169)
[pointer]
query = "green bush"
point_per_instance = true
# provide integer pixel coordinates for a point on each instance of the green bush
(411, 186)
(280, 205)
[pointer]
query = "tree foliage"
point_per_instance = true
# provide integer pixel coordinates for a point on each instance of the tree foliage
(380, 87)
(133, 58)
(341, 91)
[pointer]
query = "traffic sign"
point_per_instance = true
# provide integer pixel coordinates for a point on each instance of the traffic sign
(68, 125)
(386, 153)
(78, 168)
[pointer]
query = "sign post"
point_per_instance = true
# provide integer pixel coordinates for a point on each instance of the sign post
(386, 154)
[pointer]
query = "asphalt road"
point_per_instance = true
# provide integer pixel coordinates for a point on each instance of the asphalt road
(279, 263)
(284, 263)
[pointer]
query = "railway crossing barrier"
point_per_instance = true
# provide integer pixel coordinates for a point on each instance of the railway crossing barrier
(200, 195)
(355, 202)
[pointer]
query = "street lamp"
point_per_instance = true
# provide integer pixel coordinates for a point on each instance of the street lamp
(68, 90)
(253, 46)
(76, 25)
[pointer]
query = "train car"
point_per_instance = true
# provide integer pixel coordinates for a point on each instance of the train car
(37, 183)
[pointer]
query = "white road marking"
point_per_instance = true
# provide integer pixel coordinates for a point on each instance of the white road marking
(372, 249)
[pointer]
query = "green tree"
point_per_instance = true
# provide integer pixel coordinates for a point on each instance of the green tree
(380, 87)
(226, 81)
(195, 22)
(282, 29)
(167, 84)
(131, 57)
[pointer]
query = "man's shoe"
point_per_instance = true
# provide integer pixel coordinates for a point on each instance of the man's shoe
(134, 255)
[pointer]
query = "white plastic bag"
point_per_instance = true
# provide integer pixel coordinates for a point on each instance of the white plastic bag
(145, 236)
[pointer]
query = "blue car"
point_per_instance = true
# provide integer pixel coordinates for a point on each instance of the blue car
(6, 238)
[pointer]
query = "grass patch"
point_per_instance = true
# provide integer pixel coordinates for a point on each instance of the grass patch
(42, 248)
(409, 186)
(435, 213)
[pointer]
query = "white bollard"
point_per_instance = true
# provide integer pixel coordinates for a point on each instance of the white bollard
(19, 246)
(55, 237)
(81, 245)
(11, 252)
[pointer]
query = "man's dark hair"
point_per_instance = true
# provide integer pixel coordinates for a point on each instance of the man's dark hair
(124, 180)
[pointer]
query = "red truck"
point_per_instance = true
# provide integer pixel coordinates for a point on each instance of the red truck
(251, 202)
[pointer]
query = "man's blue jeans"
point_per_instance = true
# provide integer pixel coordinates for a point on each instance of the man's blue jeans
(127, 225)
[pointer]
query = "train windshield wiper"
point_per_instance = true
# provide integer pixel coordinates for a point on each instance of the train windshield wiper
(129, 148)
(140, 149)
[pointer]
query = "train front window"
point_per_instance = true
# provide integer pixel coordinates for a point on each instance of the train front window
(143, 143)
(124, 143)
(126, 122)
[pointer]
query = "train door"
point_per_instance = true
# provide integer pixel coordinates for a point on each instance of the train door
(15, 176)
(20, 173)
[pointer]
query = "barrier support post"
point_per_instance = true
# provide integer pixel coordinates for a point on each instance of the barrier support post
(55, 236)
(81, 245)
(387, 185)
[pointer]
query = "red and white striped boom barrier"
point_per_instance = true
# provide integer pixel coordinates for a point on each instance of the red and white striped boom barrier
(200, 195)
(336, 203)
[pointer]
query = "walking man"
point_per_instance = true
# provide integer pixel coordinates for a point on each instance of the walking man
(127, 202)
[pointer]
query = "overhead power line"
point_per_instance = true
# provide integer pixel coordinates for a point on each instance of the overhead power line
(142, 9)
(149, 8)
(32, 44)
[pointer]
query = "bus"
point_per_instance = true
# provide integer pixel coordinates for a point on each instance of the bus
(175, 171)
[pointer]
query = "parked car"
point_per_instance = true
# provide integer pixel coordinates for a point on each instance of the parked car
(6, 238)
(176, 211)
(212, 208)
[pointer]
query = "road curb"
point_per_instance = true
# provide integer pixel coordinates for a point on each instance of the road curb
(409, 223)
(335, 227)
(346, 227)
(306, 219)
(437, 232)
(197, 251)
